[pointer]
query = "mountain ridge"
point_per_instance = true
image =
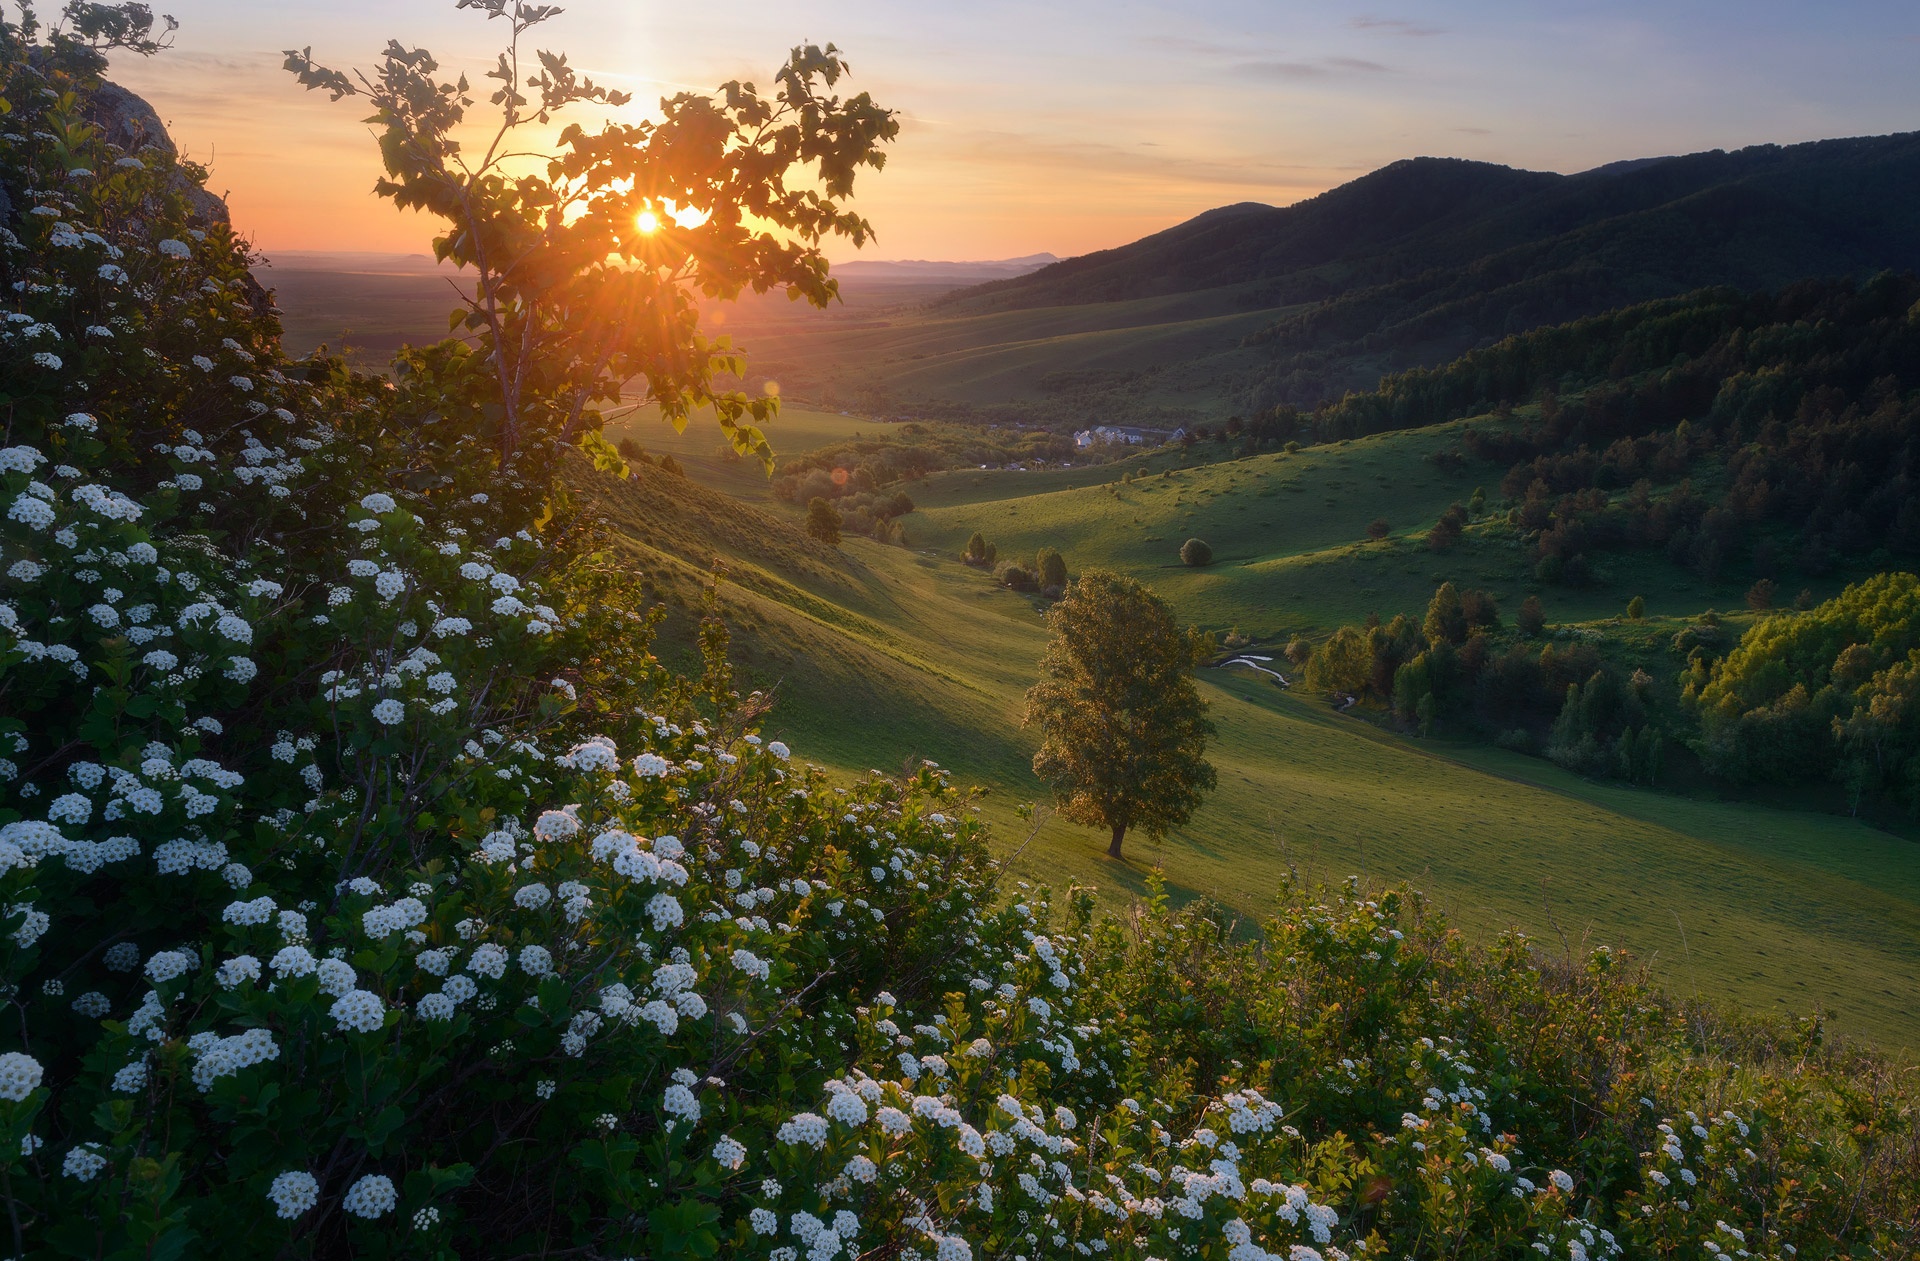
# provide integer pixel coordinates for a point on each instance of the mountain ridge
(1413, 205)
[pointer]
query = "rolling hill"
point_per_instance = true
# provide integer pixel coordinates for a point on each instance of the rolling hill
(1248, 306)
(1778, 908)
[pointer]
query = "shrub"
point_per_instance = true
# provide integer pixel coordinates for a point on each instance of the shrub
(1447, 530)
(1637, 608)
(1760, 595)
(1196, 553)
(1051, 569)
(1016, 577)
(1378, 529)
(1517, 740)
(823, 522)
(1532, 618)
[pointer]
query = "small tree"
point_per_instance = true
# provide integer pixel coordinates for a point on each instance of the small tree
(1196, 553)
(586, 265)
(1479, 608)
(979, 551)
(823, 521)
(1378, 529)
(1051, 567)
(1533, 618)
(1446, 618)
(1760, 595)
(1637, 608)
(1123, 729)
(1446, 531)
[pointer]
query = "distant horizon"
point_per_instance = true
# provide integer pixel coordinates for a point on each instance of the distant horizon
(1070, 127)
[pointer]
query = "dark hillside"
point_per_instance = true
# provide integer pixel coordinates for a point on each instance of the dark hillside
(1428, 258)
(1849, 203)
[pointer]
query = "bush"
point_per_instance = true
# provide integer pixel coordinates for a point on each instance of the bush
(1016, 577)
(1532, 618)
(1517, 740)
(1637, 608)
(1447, 530)
(1050, 569)
(1196, 553)
(1378, 529)
(823, 522)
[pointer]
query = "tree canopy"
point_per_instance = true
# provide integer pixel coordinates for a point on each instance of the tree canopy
(1123, 729)
(587, 263)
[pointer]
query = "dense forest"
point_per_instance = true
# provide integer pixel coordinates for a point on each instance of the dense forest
(1801, 404)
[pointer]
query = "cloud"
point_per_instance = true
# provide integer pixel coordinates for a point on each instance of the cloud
(1294, 71)
(1394, 26)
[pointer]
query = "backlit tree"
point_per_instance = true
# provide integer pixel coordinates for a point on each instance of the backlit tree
(1123, 729)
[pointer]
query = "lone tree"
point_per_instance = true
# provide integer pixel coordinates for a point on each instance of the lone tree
(1196, 553)
(1123, 729)
(823, 521)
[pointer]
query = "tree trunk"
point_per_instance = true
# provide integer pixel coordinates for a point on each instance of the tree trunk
(1119, 830)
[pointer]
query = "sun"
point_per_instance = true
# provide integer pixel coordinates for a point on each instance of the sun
(648, 222)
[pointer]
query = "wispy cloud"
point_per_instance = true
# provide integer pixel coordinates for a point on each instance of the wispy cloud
(1293, 71)
(1394, 26)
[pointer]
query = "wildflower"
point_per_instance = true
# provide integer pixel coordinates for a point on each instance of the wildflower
(293, 961)
(389, 711)
(729, 1153)
(359, 1011)
(680, 1102)
(237, 969)
(378, 503)
(293, 1193)
(436, 1006)
(806, 1128)
(84, 1162)
(372, 1196)
(847, 1108)
(19, 1075)
(1561, 1180)
(166, 965)
(555, 825)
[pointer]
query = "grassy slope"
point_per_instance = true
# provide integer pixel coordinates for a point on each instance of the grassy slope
(1288, 535)
(881, 654)
(1148, 357)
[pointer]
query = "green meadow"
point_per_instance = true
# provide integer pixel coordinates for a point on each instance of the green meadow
(878, 655)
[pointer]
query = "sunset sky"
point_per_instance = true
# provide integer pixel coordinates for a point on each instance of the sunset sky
(1069, 127)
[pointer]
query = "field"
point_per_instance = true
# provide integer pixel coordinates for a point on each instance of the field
(883, 654)
(878, 655)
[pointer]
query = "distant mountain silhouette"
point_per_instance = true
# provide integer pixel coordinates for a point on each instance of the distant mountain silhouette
(1423, 259)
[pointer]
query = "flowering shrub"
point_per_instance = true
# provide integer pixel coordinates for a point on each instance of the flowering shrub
(370, 890)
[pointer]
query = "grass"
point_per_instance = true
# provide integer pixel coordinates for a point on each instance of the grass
(1288, 532)
(879, 655)
(698, 447)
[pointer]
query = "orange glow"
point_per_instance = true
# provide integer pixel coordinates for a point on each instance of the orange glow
(648, 222)
(687, 216)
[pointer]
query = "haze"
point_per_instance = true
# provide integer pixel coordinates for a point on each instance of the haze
(1070, 127)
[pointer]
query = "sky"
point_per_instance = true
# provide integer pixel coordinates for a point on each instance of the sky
(1070, 127)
